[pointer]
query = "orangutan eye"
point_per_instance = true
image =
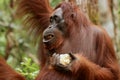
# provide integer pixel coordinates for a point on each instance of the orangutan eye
(57, 18)
(51, 19)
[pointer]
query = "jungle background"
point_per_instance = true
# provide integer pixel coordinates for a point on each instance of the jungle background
(18, 47)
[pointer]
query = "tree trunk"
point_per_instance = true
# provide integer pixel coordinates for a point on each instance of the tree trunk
(89, 7)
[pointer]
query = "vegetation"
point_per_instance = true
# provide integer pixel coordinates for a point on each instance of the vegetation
(16, 44)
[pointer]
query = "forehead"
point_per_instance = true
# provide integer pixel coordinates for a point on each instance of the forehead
(58, 12)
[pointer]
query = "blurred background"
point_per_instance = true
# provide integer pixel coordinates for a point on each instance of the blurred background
(19, 48)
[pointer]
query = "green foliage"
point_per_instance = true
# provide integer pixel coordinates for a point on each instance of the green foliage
(4, 21)
(2, 44)
(54, 2)
(28, 69)
(21, 44)
(119, 12)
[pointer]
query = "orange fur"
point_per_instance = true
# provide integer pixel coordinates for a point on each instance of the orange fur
(37, 13)
(7, 73)
(96, 59)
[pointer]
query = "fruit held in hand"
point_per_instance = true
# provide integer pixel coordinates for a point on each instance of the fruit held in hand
(65, 59)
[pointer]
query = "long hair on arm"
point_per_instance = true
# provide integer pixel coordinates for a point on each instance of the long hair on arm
(35, 14)
(7, 73)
